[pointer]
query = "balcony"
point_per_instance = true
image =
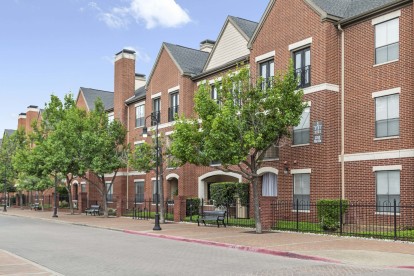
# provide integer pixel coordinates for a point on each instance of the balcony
(171, 113)
(303, 75)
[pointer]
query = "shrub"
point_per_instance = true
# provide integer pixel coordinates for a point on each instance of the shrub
(191, 206)
(63, 204)
(224, 194)
(329, 213)
(111, 212)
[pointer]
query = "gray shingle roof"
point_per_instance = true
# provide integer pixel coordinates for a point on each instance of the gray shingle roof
(91, 95)
(247, 26)
(140, 93)
(190, 61)
(350, 8)
(9, 132)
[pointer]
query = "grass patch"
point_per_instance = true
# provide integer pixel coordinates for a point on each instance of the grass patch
(149, 215)
(301, 226)
(239, 222)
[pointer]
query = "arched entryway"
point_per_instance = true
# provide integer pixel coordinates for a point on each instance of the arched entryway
(207, 179)
(172, 187)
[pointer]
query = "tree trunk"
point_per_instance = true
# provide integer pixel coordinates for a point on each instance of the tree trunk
(256, 196)
(104, 195)
(68, 188)
(21, 199)
(161, 196)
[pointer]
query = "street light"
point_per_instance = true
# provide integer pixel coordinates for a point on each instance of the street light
(154, 119)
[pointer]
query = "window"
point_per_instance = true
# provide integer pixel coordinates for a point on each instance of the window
(271, 153)
(154, 191)
(387, 41)
(173, 109)
(267, 72)
(388, 190)
(214, 93)
(140, 115)
(110, 192)
(139, 191)
(302, 67)
(156, 107)
(301, 131)
(269, 184)
(387, 116)
(301, 191)
(83, 188)
(110, 117)
(171, 162)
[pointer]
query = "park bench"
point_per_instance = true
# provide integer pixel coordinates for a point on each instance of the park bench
(35, 206)
(212, 216)
(93, 210)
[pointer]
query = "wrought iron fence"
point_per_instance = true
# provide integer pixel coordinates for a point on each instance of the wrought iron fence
(236, 214)
(146, 210)
(383, 220)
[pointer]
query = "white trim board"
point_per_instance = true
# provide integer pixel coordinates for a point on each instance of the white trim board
(301, 43)
(298, 171)
(387, 168)
(265, 56)
(156, 95)
(321, 87)
(264, 170)
(379, 155)
(173, 89)
(386, 17)
(387, 92)
(140, 103)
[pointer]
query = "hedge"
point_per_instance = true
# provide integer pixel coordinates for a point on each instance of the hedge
(329, 213)
(224, 194)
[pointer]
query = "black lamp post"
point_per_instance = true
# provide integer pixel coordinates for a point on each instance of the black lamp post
(154, 119)
(55, 199)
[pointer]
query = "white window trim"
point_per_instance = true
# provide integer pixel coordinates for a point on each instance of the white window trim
(168, 133)
(321, 87)
(264, 170)
(139, 142)
(140, 103)
(386, 17)
(110, 114)
(139, 180)
(158, 95)
(265, 56)
(387, 62)
(387, 168)
(386, 138)
(387, 92)
(174, 89)
(300, 171)
(299, 44)
(378, 155)
(215, 80)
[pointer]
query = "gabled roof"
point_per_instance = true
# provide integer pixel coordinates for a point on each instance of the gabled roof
(340, 11)
(91, 95)
(246, 26)
(8, 132)
(189, 61)
(246, 29)
(140, 94)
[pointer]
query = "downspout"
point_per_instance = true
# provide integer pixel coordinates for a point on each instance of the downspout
(127, 176)
(342, 111)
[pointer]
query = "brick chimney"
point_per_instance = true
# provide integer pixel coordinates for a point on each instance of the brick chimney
(124, 83)
(21, 121)
(207, 45)
(31, 115)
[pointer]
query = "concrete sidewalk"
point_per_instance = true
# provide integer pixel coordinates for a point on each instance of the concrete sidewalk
(347, 250)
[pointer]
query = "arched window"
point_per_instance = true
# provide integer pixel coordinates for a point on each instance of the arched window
(269, 184)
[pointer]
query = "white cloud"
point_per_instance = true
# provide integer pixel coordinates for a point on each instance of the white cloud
(153, 13)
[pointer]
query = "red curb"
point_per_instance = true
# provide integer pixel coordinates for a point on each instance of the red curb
(405, 267)
(238, 247)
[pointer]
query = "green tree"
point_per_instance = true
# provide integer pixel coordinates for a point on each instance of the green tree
(143, 158)
(246, 120)
(103, 150)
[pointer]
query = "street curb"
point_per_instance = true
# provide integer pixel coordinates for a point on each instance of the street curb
(405, 267)
(237, 247)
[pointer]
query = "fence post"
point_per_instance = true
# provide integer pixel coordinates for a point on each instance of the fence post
(297, 214)
(191, 209)
(395, 219)
(340, 217)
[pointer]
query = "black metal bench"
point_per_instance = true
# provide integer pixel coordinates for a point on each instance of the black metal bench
(35, 206)
(212, 215)
(93, 210)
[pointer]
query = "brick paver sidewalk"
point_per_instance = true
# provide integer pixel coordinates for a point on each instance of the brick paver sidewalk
(378, 253)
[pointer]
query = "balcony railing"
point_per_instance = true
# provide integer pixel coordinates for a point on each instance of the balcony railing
(156, 114)
(171, 113)
(303, 75)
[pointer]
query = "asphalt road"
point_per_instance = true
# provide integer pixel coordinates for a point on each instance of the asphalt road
(78, 250)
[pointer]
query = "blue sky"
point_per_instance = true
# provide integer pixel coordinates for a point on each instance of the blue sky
(54, 47)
